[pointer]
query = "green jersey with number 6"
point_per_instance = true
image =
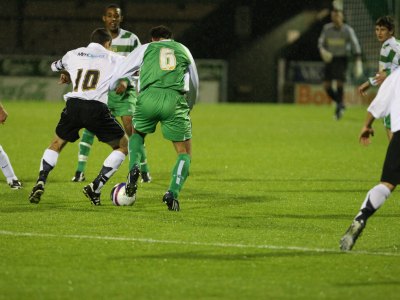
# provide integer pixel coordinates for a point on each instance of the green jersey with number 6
(165, 64)
(167, 73)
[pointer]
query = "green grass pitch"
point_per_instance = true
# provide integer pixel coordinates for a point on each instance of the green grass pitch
(271, 190)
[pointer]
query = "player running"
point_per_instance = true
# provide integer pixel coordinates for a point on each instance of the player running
(89, 69)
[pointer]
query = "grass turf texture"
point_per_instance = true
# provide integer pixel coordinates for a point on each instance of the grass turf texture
(271, 190)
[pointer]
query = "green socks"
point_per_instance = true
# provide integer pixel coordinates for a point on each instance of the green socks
(179, 174)
(135, 149)
(84, 149)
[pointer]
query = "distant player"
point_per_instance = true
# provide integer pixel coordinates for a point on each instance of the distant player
(89, 69)
(386, 102)
(168, 88)
(122, 106)
(5, 163)
(334, 43)
(389, 58)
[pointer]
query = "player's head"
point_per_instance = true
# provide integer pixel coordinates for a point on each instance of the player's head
(337, 16)
(160, 33)
(101, 36)
(112, 17)
(384, 28)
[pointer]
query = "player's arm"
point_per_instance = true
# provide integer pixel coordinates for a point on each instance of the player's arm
(128, 67)
(61, 67)
(362, 89)
(3, 114)
(356, 49)
(325, 54)
(122, 86)
(380, 106)
(367, 131)
(191, 87)
(65, 78)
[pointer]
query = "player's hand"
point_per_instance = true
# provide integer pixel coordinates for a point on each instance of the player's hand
(326, 55)
(358, 68)
(64, 78)
(362, 89)
(380, 77)
(366, 133)
(3, 115)
(121, 87)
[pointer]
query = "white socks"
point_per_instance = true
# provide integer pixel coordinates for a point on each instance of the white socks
(113, 161)
(6, 167)
(374, 199)
(50, 157)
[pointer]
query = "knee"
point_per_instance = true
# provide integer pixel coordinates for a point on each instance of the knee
(56, 145)
(123, 145)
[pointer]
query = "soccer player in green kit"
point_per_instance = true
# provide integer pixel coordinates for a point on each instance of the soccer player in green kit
(168, 88)
(123, 43)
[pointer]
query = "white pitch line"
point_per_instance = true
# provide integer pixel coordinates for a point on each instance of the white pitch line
(221, 245)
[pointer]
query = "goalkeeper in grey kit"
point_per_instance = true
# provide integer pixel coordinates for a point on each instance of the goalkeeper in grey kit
(334, 43)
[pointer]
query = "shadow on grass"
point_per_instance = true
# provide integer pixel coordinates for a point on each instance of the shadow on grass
(261, 179)
(231, 257)
(368, 283)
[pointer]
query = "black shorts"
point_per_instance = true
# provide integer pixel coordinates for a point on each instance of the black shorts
(90, 114)
(391, 166)
(336, 69)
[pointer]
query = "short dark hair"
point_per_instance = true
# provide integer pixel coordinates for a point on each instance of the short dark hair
(111, 5)
(161, 32)
(100, 36)
(386, 21)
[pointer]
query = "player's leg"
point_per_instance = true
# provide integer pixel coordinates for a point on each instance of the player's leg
(373, 201)
(144, 168)
(179, 174)
(340, 107)
(329, 90)
(8, 170)
(136, 145)
(47, 163)
(109, 131)
(178, 129)
(85, 146)
(377, 196)
(110, 165)
(145, 121)
(339, 73)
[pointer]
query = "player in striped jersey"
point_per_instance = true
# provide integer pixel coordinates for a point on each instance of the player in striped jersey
(123, 43)
(89, 69)
(389, 58)
(168, 87)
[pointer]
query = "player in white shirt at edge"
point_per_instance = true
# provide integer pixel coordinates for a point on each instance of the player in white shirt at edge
(386, 102)
(5, 164)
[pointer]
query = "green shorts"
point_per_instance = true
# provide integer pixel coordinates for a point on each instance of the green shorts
(386, 122)
(168, 107)
(122, 105)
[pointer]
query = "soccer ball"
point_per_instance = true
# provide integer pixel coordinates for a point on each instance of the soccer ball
(119, 197)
